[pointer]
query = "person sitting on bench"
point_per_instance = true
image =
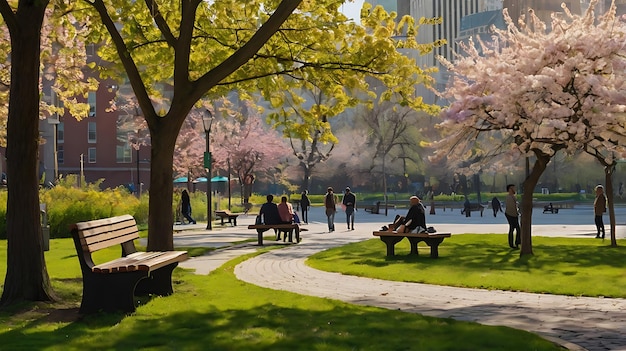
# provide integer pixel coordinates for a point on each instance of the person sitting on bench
(415, 220)
(269, 212)
(285, 211)
(548, 208)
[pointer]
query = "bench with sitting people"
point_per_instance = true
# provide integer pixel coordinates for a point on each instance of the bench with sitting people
(549, 208)
(413, 227)
(279, 217)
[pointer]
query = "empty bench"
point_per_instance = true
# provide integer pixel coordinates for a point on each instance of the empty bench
(111, 286)
(467, 210)
(431, 239)
(226, 214)
(260, 228)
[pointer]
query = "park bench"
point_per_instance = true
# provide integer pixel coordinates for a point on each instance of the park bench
(472, 207)
(550, 209)
(226, 214)
(375, 208)
(111, 286)
(260, 228)
(391, 238)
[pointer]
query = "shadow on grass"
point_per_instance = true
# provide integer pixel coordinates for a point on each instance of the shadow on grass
(272, 327)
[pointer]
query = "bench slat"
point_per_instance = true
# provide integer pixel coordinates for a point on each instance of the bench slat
(273, 226)
(143, 261)
(161, 260)
(102, 233)
(415, 235)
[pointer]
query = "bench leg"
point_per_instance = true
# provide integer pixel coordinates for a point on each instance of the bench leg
(222, 220)
(260, 237)
(414, 241)
(391, 241)
(158, 283)
(234, 221)
(434, 246)
(110, 292)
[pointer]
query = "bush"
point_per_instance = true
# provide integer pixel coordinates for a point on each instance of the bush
(67, 204)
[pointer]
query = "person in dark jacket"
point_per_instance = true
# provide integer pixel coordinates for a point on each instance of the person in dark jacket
(186, 206)
(269, 211)
(496, 206)
(415, 219)
(305, 203)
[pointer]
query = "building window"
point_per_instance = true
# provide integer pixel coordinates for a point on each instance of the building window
(91, 155)
(91, 132)
(123, 154)
(60, 132)
(60, 156)
(125, 130)
(91, 99)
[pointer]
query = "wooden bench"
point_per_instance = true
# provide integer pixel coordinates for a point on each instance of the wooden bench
(111, 286)
(374, 209)
(226, 214)
(260, 228)
(431, 239)
(550, 209)
(472, 207)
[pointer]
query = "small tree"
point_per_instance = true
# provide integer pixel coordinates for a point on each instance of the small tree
(534, 92)
(248, 145)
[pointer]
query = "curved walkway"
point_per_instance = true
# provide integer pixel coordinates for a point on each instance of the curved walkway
(578, 322)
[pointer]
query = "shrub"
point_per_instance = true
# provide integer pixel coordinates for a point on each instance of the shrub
(67, 204)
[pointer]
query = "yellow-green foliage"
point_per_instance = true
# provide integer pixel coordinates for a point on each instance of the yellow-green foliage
(67, 204)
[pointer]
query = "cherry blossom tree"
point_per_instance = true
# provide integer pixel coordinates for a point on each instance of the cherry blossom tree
(248, 145)
(534, 92)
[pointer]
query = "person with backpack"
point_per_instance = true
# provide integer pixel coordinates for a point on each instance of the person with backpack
(330, 202)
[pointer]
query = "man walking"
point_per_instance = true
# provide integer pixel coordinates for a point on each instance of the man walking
(349, 203)
(330, 202)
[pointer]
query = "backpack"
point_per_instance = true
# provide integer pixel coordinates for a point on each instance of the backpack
(329, 201)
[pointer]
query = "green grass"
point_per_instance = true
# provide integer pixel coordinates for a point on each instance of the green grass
(218, 312)
(565, 266)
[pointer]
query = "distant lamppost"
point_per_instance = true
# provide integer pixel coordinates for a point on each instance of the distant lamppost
(207, 121)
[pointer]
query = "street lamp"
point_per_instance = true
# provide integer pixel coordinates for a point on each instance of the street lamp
(207, 121)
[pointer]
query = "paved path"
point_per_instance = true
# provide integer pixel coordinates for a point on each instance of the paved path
(589, 323)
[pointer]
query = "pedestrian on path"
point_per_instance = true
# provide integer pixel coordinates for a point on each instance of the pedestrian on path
(305, 203)
(186, 207)
(496, 206)
(599, 207)
(349, 204)
(330, 203)
(512, 216)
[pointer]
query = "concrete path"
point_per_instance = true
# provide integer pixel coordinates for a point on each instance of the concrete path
(579, 323)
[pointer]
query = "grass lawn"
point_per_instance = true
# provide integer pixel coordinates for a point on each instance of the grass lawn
(218, 312)
(564, 266)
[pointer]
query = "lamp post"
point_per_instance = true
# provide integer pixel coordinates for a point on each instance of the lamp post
(207, 121)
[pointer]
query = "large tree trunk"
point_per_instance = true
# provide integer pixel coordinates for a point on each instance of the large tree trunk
(608, 179)
(160, 220)
(527, 202)
(27, 276)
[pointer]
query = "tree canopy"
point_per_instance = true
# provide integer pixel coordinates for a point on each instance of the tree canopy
(536, 90)
(208, 49)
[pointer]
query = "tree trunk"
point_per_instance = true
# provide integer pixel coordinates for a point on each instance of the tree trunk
(27, 277)
(161, 221)
(608, 179)
(527, 202)
(307, 177)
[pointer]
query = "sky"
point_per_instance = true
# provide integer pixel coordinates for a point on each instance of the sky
(352, 9)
